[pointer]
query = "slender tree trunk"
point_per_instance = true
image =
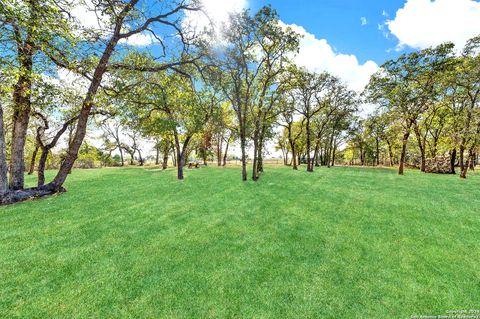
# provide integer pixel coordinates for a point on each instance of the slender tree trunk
(226, 153)
(121, 154)
(33, 160)
(244, 155)
(421, 147)
(390, 153)
(292, 146)
(3, 158)
(309, 159)
(406, 135)
(260, 152)
(255, 156)
(461, 157)
(219, 151)
(157, 156)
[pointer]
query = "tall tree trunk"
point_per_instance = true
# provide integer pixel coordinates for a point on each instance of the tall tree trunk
(33, 160)
(377, 150)
(3, 158)
(157, 156)
(21, 116)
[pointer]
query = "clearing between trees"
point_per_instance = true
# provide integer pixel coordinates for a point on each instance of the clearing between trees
(336, 243)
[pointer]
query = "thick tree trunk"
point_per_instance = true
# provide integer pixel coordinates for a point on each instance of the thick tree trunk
(33, 160)
(165, 161)
(21, 116)
(41, 167)
(140, 158)
(28, 194)
(3, 158)
(466, 166)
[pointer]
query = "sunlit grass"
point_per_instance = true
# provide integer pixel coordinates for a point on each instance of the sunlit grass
(338, 243)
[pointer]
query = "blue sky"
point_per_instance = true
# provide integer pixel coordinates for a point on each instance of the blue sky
(339, 21)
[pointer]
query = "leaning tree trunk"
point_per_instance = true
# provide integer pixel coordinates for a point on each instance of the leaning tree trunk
(466, 166)
(294, 152)
(41, 167)
(33, 160)
(226, 153)
(3, 158)
(88, 102)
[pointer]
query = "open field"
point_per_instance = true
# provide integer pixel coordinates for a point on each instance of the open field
(338, 243)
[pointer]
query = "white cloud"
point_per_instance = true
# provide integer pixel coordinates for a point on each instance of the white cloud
(317, 55)
(215, 14)
(363, 20)
(139, 40)
(84, 12)
(423, 23)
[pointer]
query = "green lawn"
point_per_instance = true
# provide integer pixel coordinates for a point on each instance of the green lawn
(338, 243)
